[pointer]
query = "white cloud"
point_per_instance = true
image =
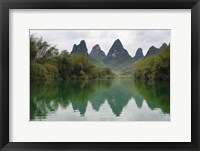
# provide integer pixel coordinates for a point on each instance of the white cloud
(131, 39)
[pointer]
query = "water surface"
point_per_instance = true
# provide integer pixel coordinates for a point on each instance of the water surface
(100, 100)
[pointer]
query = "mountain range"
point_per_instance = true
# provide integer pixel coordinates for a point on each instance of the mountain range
(117, 55)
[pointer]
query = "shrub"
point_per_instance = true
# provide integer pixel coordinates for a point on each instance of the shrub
(38, 72)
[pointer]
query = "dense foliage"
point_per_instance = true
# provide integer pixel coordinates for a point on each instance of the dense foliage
(48, 64)
(154, 68)
(156, 94)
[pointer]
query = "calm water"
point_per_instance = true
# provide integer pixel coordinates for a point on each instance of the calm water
(100, 100)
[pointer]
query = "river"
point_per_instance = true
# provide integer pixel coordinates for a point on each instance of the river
(100, 100)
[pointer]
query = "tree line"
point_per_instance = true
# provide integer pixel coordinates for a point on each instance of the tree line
(48, 64)
(155, 67)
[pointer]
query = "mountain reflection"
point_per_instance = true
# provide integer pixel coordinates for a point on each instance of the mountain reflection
(46, 98)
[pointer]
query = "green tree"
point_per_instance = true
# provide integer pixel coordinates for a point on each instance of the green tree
(52, 71)
(38, 72)
(64, 65)
(40, 50)
(154, 68)
(48, 64)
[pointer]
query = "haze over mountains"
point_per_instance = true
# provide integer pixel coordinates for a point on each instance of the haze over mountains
(117, 54)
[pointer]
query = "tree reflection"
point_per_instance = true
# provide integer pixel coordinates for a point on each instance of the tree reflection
(46, 98)
(157, 95)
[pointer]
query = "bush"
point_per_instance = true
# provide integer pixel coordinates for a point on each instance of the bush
(154, 68)
(47, 64)
(52, 71)
(38, 72)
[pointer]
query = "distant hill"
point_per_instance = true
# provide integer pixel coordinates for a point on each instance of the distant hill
(117, 54)
(80, 49)
(117, 58)
(164, 45)
(153, 50)
(139, 54)
(154, 67)
(97, 53)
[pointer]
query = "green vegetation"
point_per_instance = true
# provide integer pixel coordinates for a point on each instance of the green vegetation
(48, 64)
(156, 94)
(42, 72)
(116, 94)
(155, 67)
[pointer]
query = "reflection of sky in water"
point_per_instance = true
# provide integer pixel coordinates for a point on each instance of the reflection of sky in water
(104, 100)
(130, 113)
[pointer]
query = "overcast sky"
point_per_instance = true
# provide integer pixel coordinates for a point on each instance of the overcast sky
(131, 39)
